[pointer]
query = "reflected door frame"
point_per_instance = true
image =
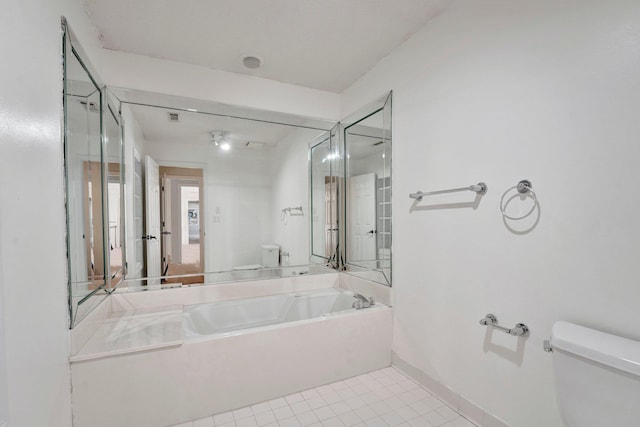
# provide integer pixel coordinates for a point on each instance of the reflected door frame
(204, 202)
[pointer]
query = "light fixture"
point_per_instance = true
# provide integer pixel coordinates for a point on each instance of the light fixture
(219, 139)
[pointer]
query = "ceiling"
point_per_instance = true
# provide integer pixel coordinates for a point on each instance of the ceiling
(321, 44)
(195, 128)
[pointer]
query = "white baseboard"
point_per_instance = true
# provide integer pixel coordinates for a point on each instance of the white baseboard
(464, 406)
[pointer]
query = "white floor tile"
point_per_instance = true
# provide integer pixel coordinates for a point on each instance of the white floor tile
(308, 418)
(332, 422)
(393, 418)
(278, 403)
(294, 398)
(290, 422)
(239, 414)
(316, 402)
(350, 418)
(383, 398)
(265, 418)
(324, 413)
(204, 422)
(260, 408)
(247, 422)
(283, 413)
(300, 407)
(459, 422)
(224, 418)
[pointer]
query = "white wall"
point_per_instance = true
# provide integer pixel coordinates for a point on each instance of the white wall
(175, 78)
(4, 416)
(32, 239)
(290, 177)
(498, 91)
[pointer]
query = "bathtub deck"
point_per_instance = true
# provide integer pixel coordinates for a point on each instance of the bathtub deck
(385, 397)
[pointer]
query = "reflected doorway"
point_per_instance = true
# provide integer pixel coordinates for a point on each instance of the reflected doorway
(181, 210)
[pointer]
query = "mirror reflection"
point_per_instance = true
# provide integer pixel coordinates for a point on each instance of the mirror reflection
(368, 192)
(213, 197)
(324, 159)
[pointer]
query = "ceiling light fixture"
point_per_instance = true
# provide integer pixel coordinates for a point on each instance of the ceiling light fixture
(219, 139)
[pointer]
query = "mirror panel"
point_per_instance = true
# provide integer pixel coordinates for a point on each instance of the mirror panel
(211, 190)
(367, 142)
(323, 209)
(85, 202)
(114, 193)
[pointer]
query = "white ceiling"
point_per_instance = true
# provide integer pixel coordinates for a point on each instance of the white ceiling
(322, 44)
(195, 128)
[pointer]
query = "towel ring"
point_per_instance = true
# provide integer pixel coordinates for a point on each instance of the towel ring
(523, 187)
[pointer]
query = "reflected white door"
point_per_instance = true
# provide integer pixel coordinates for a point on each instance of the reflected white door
(152, 217)
(362, 217)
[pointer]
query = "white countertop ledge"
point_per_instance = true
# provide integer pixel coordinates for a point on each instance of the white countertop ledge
(134, 331)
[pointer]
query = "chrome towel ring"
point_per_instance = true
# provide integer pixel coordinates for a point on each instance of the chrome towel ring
(523, 187)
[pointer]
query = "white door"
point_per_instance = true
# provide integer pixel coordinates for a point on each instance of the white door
(135, 270)
(362, 217)
(152, 217)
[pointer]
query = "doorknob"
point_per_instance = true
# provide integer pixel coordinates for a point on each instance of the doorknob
(371, 232)
(148, 237)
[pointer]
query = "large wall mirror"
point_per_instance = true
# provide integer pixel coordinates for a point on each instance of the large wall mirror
(367, 196)
(92, 164)
(213, 193)
(164, 191)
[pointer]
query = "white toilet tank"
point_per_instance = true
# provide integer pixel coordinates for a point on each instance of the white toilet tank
(597, 377)
(270, 255)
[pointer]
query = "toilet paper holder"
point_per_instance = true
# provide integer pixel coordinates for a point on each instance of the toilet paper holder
(520, 330)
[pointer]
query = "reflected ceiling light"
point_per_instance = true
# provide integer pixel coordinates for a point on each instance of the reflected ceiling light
(219, 139)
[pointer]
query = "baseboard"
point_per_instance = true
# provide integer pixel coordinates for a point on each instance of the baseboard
(464, 406)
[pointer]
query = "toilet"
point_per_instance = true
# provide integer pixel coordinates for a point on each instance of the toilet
(597, 377)
(270, 259)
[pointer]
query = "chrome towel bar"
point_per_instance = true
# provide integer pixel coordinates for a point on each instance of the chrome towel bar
(520, 329)
(480, 188)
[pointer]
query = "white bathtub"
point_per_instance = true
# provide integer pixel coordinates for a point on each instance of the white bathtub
(218, 319)
(234, 353)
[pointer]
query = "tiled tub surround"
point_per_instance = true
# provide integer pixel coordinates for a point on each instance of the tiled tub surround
(190, 379)
(385, 397)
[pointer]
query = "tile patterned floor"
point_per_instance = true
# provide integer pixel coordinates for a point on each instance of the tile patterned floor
(378, 399)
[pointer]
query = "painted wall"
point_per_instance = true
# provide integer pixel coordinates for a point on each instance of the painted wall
(499, 91)
(4, 416)
(175, 78)
(32, 230)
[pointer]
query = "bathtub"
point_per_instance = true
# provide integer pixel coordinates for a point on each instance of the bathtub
(234, 353)
(225, 318)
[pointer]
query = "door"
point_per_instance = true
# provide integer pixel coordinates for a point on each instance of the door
(362, 200)
(152, 217)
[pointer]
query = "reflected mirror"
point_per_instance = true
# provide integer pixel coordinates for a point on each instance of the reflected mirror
(326, 166)
(367, 233)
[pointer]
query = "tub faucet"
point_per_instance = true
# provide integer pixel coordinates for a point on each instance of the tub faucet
(362, 302)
